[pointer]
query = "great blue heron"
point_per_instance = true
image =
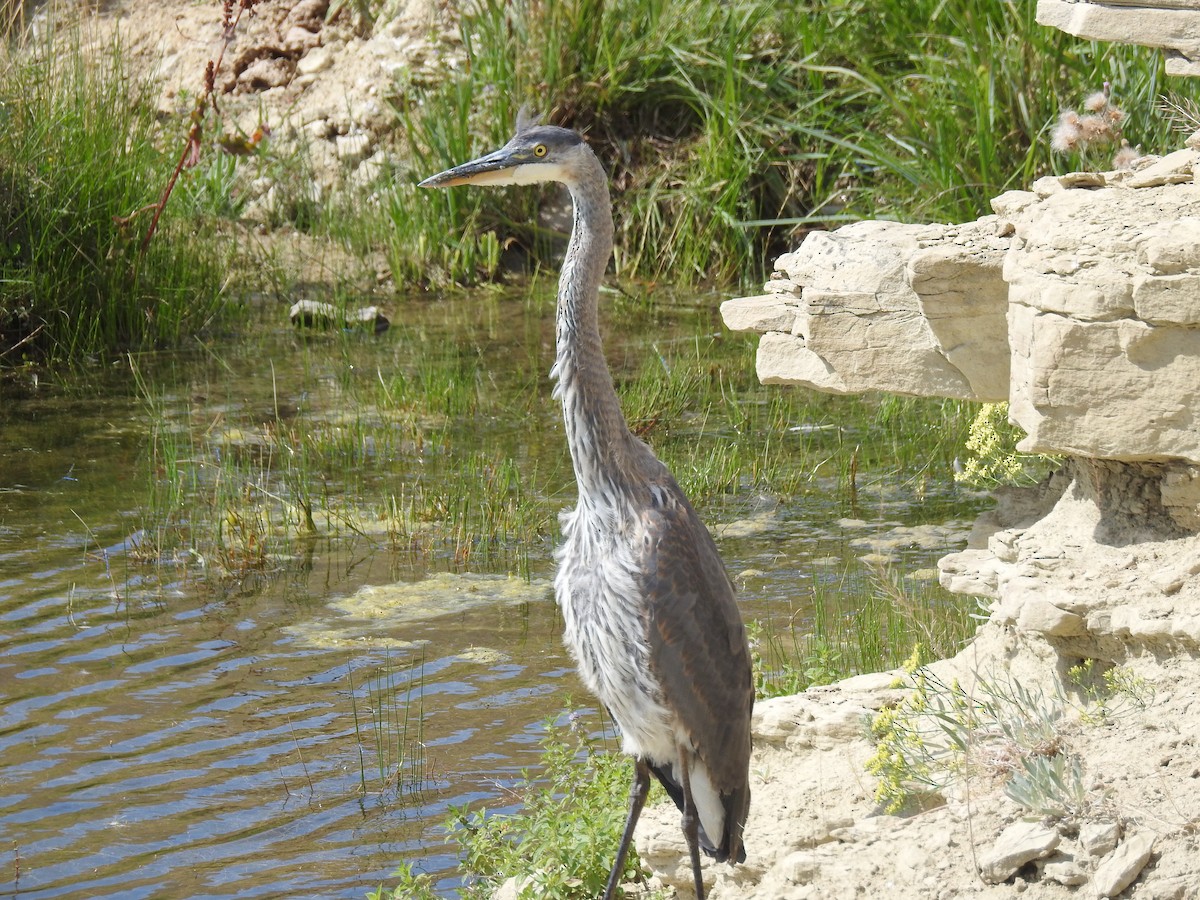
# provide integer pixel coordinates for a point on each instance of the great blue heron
(649, 611)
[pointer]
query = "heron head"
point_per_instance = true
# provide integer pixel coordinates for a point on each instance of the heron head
(537, 153)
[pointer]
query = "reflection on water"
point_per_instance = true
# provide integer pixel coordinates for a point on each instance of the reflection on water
(295, 733)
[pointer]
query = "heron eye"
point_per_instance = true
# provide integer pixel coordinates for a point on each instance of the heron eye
(539, 151)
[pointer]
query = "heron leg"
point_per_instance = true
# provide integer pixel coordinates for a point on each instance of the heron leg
(691, 822)
(637, 799)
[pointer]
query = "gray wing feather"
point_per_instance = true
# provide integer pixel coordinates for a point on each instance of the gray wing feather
(699, 652)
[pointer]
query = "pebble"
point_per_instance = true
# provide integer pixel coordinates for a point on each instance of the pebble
(800, 867)
(315, 60)
(1065, 871)
(352, 148)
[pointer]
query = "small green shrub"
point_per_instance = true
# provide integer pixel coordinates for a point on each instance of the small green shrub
(993, 455)
(409, 885)
(941, 733)
(562, 842)
(1110, 694)
(1050, 786)
(566, 835)
(779, 672)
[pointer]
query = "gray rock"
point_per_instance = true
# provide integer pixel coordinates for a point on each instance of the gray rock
(1174, 168)
(1120, 868)
(1065, 871)
(1129, 23)
(769, 312)
(317, 315)
(1018, 844)
(799, 867)
(264, 74)
(352, 148)
(1099, 838)
(1046, 618)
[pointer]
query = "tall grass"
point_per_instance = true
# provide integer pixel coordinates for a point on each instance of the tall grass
(330, 444)
(77, 154)
(396, 735)
(729, 129)
(870, 627)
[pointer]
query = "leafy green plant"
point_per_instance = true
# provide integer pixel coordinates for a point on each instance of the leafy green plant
(940, 732)
(1050, 786)
(1114, 692)
(561, 843)
(779, 672)
(409, 885)
(212, 188)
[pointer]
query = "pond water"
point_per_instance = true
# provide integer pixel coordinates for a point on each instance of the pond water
(199, 709)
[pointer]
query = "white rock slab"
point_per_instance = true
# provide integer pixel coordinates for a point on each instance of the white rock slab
(1120, 868)
(911, 309)
(1017, 844)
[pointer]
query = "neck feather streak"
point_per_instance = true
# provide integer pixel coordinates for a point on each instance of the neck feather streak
(597, 435)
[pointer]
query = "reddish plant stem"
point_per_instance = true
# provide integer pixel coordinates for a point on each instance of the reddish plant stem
(191, 150)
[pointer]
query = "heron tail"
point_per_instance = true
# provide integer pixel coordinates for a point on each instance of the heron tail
(736, 804)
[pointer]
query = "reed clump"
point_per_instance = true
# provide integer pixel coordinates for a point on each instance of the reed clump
(77, 154)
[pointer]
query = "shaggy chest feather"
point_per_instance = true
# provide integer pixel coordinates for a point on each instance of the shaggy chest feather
(606, 627)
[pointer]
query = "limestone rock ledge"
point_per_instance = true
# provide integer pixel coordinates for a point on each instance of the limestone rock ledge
(911, 309)
(1169, 24)
(1078, 301)
(1090, 563)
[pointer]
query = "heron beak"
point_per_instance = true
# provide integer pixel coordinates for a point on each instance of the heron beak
(495, 168)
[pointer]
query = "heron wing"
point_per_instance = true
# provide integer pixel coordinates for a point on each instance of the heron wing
(698, 649)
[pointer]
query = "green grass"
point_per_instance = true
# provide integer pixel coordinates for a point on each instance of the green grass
(434, 442)
(731, 129)
(394, 740)
(244, 487)
(854, 625)
(77, 154)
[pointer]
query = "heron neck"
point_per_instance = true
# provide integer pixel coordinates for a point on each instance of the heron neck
(595, 427)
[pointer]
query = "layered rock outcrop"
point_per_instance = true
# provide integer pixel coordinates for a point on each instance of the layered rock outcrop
(911, 309)
(1078, 302)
